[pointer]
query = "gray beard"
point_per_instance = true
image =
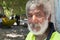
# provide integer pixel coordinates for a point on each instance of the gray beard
(44, 26)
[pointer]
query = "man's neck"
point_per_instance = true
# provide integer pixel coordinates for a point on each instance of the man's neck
(42, 37)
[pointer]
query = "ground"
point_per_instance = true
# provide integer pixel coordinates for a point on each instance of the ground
(14, 33)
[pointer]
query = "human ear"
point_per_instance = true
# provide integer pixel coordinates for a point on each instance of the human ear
(49, 18)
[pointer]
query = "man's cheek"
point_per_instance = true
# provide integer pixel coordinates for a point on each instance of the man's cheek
(29, 20)
(41, 20)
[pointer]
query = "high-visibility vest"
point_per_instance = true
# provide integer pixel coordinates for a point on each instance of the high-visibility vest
(55, 36)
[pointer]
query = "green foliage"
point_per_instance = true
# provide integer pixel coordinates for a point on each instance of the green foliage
(18, 6)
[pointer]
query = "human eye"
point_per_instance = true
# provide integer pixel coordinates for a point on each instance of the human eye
(29, 15)
(38, 15)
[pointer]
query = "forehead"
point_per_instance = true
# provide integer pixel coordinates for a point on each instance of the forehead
(34, 11)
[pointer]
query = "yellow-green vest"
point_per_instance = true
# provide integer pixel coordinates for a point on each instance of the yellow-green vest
(55, 36)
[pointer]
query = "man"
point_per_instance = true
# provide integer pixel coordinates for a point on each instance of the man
(39, 22)
(17, 19)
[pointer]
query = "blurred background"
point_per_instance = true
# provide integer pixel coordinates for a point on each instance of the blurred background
(13, 21)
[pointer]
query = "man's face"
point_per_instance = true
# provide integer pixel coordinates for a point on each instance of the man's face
(37, 21)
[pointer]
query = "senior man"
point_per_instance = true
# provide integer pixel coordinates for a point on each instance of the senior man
(39, 22)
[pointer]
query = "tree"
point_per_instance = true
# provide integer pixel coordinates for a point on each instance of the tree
(18, 6)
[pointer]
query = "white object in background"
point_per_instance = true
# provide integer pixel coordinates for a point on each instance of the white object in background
(14, 35)
(15, 23)
(0, 20)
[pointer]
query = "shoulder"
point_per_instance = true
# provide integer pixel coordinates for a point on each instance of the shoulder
(30, 36)
(55, 36)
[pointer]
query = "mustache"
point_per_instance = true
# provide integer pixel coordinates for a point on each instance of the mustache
(34, 25)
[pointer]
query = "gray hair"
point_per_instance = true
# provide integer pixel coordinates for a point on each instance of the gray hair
(49, 5)
(33, 4)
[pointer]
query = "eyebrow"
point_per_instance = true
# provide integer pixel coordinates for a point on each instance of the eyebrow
(39, 11)
(33, 12)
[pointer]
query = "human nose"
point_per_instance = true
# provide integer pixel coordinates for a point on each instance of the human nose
(37, 20)
(34, 19)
